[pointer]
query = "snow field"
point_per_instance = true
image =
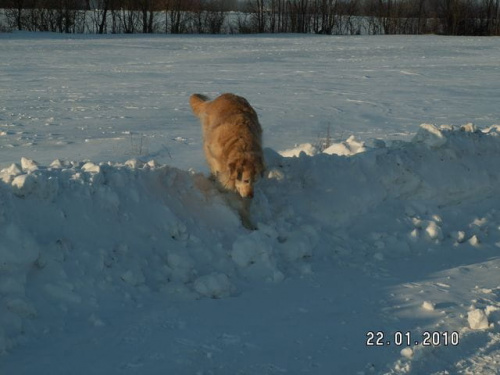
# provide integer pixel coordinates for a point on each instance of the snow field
(120, 97)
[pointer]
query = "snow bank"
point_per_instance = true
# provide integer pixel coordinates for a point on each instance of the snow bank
(350, 146)
(76, 235)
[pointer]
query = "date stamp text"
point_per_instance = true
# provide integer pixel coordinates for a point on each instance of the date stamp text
(400, 338)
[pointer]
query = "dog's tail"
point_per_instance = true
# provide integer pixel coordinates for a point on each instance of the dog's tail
(197, 102)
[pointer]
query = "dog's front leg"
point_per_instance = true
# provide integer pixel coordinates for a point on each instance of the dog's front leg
(244, 212)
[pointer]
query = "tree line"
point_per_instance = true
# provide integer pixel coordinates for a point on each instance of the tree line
(117, 16)
(339, 17)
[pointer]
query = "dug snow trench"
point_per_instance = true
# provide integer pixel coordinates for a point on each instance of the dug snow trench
(75, 235)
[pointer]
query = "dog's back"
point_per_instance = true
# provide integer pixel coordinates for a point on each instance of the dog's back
(227, 108)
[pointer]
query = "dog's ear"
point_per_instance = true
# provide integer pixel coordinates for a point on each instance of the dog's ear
(197, 102)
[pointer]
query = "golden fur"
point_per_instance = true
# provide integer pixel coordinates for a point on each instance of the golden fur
(232, 140)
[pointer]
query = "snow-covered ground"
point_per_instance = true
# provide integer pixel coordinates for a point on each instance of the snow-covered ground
(112, 263)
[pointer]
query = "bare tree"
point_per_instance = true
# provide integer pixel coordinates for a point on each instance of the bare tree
(14, 13)
(101, 11)
(259, 15)
(177, 15)
(326, 14)
(215, 15)
(489, 17)
(146, 8)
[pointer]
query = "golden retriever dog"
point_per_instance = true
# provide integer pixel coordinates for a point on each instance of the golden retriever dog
(232, 141)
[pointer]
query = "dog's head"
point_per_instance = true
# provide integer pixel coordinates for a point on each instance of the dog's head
(245, 172)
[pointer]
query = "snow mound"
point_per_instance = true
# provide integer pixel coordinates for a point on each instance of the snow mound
(477, 319)
(76, 235)
(351, 146)
(306, 148)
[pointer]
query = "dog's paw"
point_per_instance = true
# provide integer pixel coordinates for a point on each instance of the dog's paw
(247, 223)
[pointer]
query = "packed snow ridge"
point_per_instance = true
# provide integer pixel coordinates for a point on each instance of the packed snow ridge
(76, 235)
